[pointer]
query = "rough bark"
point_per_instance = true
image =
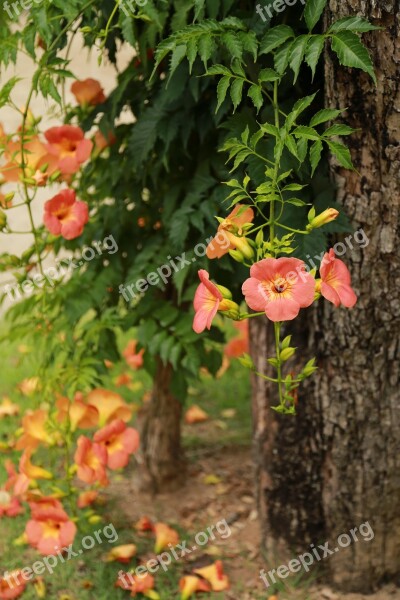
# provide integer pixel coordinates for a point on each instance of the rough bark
(161, 456)
(338, 464)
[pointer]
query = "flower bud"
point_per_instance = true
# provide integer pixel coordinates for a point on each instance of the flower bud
(94, 519)
(3, 220)
(246, 361)
(309, 368)
(260, 238)
(229, 308)
(40, 587)
(286, 354)
(330, 214)
(236, 255)
(225, 292)
(243, 245)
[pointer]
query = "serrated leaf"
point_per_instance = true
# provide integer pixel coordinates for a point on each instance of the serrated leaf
(198, 7)
(233, 44)
(275, 37)
(206, 48)
(322, 116)
(357, 24)
(315, 155)
(191, 52)
(222, 89)
(256, 95)
(299, 107)
(296, 56)
(249, 41)
(236, 92)
(306, 132)
(293, 187)
(291, 145)
(7, 89)
(268, 75)
(314, 50)
(342, 153)
(177, 56)
(296, 202)
(281, 58)
(270, 129)
(352, 53)
(219, 70)
(302, 148)
(313, 12)
(338, 129)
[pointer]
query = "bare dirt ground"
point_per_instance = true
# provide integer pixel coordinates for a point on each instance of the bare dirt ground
(219, 486)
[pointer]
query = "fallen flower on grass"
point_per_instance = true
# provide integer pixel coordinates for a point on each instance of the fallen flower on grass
(165, 535)
(195, 414)
(190, 584)
(144, 524)
(29, 386)
(40, 587)
(214, 574)
(8, 409)
(122, 554)
(137, 584)
(12, 587)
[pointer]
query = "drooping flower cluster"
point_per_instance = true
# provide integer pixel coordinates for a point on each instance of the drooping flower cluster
(36, 159)
(278, 287)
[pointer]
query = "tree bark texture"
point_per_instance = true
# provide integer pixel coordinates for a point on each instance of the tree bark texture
(337, 464)
(161, 457)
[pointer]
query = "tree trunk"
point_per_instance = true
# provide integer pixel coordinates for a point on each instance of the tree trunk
(161, 457)
(337, 464)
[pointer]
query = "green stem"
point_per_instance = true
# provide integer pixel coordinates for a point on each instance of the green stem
(293, 230)
(277, 330)
(276, 167)
(250, 315)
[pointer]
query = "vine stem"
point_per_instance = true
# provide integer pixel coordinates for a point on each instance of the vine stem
(276, 167)
(277, 331)
(277, 325)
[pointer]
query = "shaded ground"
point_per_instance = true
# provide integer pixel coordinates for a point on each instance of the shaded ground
(220, 486)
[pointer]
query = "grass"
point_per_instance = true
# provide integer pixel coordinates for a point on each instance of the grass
(88, 576)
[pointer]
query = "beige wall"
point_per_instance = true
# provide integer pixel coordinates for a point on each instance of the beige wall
(84, 64)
